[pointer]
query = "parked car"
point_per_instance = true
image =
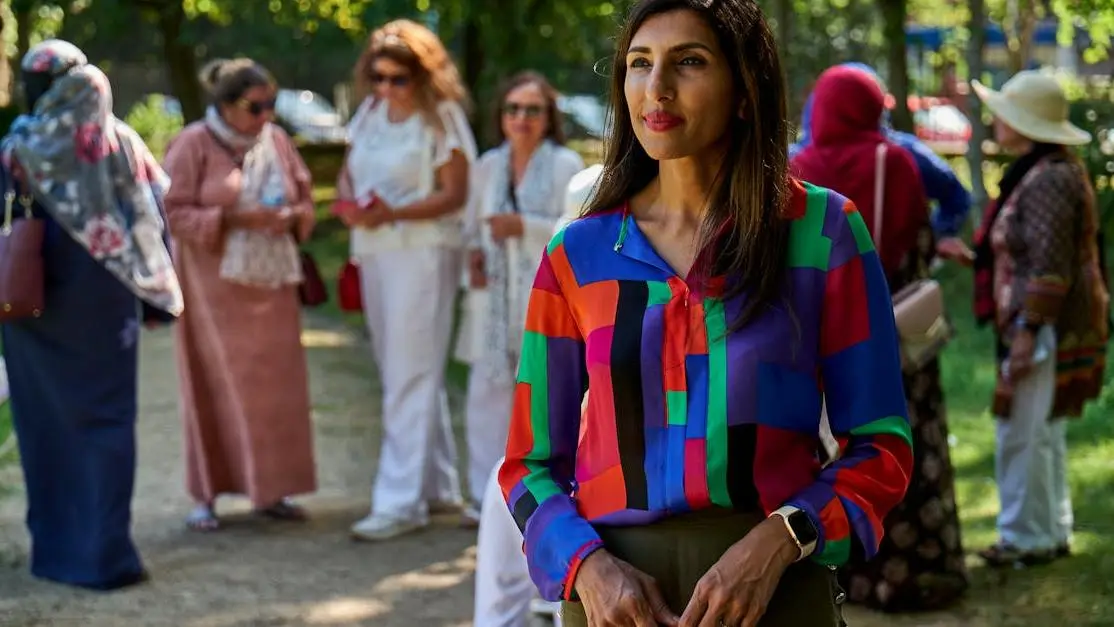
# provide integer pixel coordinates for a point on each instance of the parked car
(941, 125)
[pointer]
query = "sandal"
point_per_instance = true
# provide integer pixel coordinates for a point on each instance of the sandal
(285, 510)
(1005, 554)
(202, 519)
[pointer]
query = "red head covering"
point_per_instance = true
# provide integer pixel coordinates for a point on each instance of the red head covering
(846, 130)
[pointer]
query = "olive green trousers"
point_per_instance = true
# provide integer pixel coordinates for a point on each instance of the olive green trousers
(678, 551)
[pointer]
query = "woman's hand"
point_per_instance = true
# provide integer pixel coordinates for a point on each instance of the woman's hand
(616, 594)
(274, 221)
(954, 249)
(505, 226)
(375, 215)
(346, 211)
(1022, 347)
(737, 589)
(477, 272)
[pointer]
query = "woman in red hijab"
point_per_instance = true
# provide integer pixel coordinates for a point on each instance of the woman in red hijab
(920, 563)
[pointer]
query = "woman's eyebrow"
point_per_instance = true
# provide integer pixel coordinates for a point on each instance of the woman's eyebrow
(692, 45)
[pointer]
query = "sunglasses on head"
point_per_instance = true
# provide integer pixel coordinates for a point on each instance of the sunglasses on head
(396, 80)
(256, 107)
(531, 111)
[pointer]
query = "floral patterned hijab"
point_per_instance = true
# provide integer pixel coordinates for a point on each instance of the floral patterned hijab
(93, 174)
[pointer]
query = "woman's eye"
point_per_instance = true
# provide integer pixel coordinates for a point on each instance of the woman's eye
(692, 61)
(639, 62)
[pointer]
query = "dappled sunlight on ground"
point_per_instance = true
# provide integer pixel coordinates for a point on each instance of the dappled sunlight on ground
(326, 338)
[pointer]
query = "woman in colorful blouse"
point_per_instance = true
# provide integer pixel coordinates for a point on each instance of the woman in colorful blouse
(1039, 280)
(708, 303)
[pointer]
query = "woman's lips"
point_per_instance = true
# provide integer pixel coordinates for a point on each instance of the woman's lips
(660, 121)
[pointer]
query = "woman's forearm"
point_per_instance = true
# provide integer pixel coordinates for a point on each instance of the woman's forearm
(434, 206)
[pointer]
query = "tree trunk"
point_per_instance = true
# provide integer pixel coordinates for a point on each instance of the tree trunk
(785, 35)
(6, 72)
(181, 62)
(894, 13)
(975, 49)
(1021, 22)
(473, 58)
(24, 13)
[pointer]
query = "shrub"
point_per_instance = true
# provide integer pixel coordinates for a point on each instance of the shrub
(157, 121)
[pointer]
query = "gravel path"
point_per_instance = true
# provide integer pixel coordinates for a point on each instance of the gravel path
(257, 573)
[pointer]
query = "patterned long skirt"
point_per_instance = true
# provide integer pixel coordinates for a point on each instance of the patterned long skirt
(920, 565)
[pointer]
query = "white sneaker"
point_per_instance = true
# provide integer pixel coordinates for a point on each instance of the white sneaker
(470, 517)
(378, 527)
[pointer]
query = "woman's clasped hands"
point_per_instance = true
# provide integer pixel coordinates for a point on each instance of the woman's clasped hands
(370, 215)
(271, 220)
(733, 593)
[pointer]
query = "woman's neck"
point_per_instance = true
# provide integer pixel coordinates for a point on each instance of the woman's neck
(521, 152)
(678, 199)
(398, 112)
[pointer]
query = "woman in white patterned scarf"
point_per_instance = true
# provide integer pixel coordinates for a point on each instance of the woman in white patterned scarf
(73, 369)
(518, 191)
(240, 203)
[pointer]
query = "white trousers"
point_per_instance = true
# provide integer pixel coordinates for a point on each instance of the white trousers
(1031, 462)
(503, 586)
(487, 421)
(408, 299)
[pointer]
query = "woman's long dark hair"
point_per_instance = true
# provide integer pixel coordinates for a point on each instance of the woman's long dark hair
(744, 227)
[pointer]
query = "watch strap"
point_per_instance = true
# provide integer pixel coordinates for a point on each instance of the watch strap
(784, 513)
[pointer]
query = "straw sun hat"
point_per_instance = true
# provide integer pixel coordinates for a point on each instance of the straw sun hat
(1034, 105)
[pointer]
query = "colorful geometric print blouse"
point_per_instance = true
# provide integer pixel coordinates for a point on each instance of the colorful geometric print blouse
(682, 416)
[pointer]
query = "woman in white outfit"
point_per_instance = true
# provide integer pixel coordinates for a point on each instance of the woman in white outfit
(517, 192)
(403, 186)
(503, 587)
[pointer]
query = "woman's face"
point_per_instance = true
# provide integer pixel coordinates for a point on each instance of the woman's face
(525, 114)
(252, 111)
(678, 86)
(1009, 139)
(393, 82)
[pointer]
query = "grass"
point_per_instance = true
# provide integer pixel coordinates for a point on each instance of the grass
(1070, 592)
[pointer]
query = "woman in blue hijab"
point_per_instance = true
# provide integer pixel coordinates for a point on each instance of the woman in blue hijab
(940, 182)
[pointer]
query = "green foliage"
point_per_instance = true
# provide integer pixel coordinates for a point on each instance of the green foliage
(154, 123)
(1096, 16)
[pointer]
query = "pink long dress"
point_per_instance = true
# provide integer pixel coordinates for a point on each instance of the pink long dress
(241, 365)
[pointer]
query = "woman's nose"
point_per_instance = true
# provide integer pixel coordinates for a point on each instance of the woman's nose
(659, 86)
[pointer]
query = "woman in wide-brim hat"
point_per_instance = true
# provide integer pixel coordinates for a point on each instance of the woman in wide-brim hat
(1039, 281)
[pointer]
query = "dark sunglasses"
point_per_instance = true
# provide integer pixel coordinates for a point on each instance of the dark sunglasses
(256, 107)
(396, 80)
(512, 109)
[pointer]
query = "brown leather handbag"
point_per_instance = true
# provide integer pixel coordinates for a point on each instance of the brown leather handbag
(922, 320)
(312, 290)
(22, 283)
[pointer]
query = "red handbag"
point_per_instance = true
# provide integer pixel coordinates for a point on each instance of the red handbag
(349, 296)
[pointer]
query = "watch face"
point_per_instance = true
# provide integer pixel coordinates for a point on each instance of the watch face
(803, 527)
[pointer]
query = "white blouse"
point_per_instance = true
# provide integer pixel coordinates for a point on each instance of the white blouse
(398, 162)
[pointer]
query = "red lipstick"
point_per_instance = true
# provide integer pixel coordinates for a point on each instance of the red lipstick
(660, 121)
